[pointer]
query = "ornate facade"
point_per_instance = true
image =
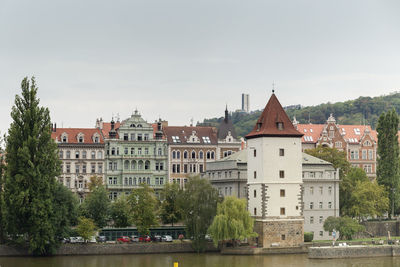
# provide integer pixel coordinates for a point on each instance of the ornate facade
(81, 151)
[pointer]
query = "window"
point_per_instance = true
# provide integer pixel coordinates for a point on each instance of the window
(146, 137)
(311, 220)
(354, 154)
(132, 137)
(331, 134)
(311, 174)
(364, 154)
(330, 205)
(115, 180)
(330, 190)
(370, 154)
(312, 190)
(175, 139)
(84, 154)
(320, 205)
(161, 180)
(146, 150)
(68, 154)
(76, 168)
(115, 165)
(201, 168)
(283, 237)
(279, 125)
(185, 155)
(338, 144)
(208, 155)
(255, 211)
(113, 151)
(281, 174)
(80, 139)
(125, 137)
(100, 167)
(255, 152)
(96, 139)
(255, 174)
(321, 190)
(282, 192)
(126, 150)
(283, 212)
(139, 151)
(212, 154)
(367, 168)
(68, 168)
(206, 139)
(77, 154)
(99, 155)
(84, 168)
(185, 168)
(139, 137)
(255, 193)
(321, 219)
(321, 233)
(193, 155)
(93, 154)
(61, 153)
(201, 155)
(311, 205)
(281, 152)
(173, 168)
(160, 151)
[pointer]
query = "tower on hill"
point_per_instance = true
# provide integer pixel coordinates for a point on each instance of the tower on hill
(274, 176)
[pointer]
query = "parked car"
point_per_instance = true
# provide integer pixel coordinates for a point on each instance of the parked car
(101, 239)
(76, 239)
(166, 238)
(134, 238)
(92, 239)
(65, 240)
(144, 238)
(156, 238)
(124, 239)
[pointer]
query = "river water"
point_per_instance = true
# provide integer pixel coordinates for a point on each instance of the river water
(192, 260)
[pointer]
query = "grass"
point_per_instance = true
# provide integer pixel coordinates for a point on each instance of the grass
(359, 240)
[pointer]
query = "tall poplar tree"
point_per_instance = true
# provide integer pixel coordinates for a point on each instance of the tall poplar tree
(388, 156)
(31, 167)
(2, 206)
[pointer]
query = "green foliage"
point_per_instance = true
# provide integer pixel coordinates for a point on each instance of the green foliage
(346, 226)
(388, 151)
(65, 210)
(171, 210)
(95, 182)
(31, 167)
(232, 222)
(143, 205)
(97, 206)
(2, 205)
(120, 212)
(200, 201)
(358, 111)
(308, 236)
(86, 228)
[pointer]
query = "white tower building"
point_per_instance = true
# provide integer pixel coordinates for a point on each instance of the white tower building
(274, 176)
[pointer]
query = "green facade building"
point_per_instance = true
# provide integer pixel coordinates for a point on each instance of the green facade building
(136, 153)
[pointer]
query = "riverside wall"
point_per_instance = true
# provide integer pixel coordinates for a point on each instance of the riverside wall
(353, 252)
(111, 249)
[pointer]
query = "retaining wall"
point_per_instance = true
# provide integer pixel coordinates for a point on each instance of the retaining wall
(353, 252)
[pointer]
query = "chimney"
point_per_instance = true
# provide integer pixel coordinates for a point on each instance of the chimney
(55, 127)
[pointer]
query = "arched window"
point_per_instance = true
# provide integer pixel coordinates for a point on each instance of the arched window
(178, 154)
(126, 180)
(201, 155)
(140, 180)
(147, 165)
(148, 180)
(212, 155)
(185, 155)
(134, 181)
(174, 154)
(113, 151)
(208, 155)
(140, 165)
(193, 154)
(99, 155)
(130, 180)
(160, 151)
(133, 165)
(139, 126)
(132, 125)
(126, 165)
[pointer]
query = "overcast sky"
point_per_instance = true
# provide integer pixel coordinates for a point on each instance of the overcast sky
(183, 59)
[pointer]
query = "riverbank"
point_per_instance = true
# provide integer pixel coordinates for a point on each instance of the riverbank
(353, 252)
(111, 249)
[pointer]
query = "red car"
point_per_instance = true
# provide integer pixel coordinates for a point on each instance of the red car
(124, 239)
(145, 239)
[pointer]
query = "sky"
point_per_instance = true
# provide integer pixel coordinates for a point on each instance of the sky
(182, 59)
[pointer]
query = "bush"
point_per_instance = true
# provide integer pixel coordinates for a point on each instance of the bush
(308, 236)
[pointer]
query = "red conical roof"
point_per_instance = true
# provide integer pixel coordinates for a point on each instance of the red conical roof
(273, 122)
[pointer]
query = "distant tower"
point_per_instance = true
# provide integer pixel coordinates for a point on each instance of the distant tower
(246, 102)
(274, 178)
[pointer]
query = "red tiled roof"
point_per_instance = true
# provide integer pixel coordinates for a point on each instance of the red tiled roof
(267, 123)
(184, 132)
(73, 135)
(353, 133)
(311, 132)
(107, 127)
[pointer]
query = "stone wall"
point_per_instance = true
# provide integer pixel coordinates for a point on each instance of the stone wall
(380, 228)
(353, 252)
(280, 233)
(111, 249)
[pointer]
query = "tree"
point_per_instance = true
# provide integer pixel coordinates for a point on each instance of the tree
(2, 206)
(121, 212)
(338, 160)
(97, 206)
(171, 210)
(31, 167)
(143, 205)
(65, 209)
(86, 228)
(232, 222)
(95, 182)
(199, 208)
(388, 151)
(346, 226)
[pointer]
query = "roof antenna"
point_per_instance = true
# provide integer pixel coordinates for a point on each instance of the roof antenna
(191, 122)
(273, 87)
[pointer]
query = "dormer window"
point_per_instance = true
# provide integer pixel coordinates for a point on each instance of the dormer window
(64, 138)
(279, 125)
(96, 139)
(132, 125)
(258, 126)
(80, 138)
